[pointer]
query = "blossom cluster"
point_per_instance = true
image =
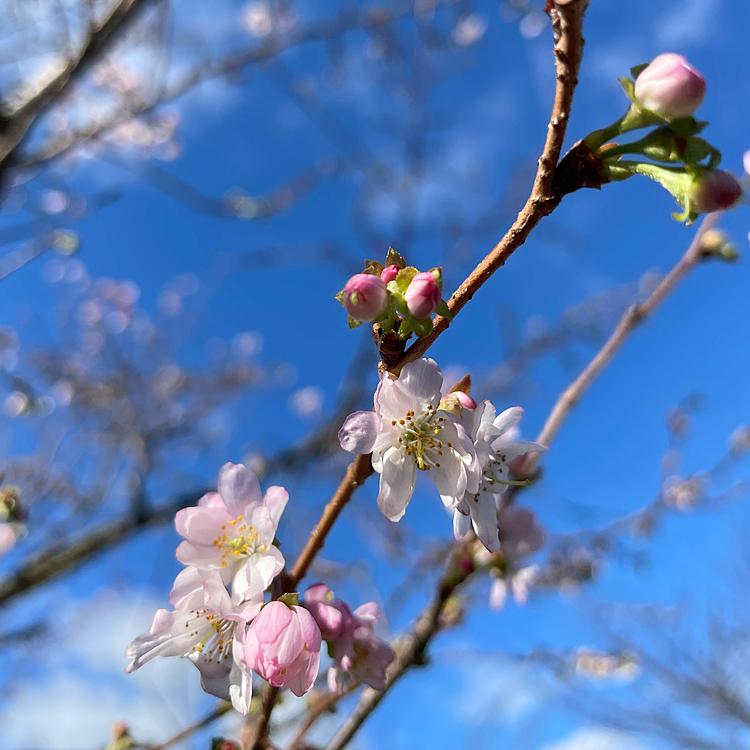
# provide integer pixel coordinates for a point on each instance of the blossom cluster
(397, 297)
(220, 620)
(465, 447)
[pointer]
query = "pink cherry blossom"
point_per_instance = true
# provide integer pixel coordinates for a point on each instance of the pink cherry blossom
(357, 652)
(232, 530)
(282, 645)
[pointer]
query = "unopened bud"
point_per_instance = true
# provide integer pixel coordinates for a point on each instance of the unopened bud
(423, 295)
(389, 273)
(365, 297)
(715, 190)
(670, 87)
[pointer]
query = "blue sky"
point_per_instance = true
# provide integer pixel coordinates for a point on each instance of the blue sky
(248, 134)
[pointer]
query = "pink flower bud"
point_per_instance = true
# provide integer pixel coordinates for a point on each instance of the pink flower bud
(465, 400)
(670, 87)
(389, 273)
(365, 297)
(715, 190)
(333, 616)
(423, 295)
(282, 645)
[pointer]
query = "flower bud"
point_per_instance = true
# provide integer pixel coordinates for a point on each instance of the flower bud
(389, 273)
(670, 87)
(423, 295)
(282, 645)
(715, 190)
(365, 297)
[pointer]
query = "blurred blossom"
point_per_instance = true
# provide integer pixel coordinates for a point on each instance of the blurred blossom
(620, 664)
(127, 293)
(143, 329)
(247, 344)
(44, 405)
(739, 440)
(169, 303)
(169, 377)
(90, 313)
(75, 271)
(53, 202)
(746, 162)
(243, 206)
(376, 48)
(307, 403)
(53, 271)
(535, 327)
(65, 241)
(257, 17)
(684, 494)
(532, 24)
(63, 392)
(469, 29)
(116, 321)
(648, 282)
(16, 404)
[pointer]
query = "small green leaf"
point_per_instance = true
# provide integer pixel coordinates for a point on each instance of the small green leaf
(405, 275)
(636, 70)
(422, 326)
(444, 310)
(354, 323)
(291, 599)
(394, 259)
(341, 296)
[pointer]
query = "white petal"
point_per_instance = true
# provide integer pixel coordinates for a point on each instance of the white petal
(507, 419)
(449, 478)
(484, 519)
(239, 489)
(396, 483)
(359, 432)
(422, 379)
(461, 523)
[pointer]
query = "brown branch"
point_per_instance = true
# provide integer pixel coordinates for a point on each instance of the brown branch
(324, 704)
(632, 317)
(62, 558)
(18, 123)
(567, 22)
(409, 652)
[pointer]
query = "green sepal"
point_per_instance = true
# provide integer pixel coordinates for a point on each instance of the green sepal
(331, 649)
(341, 296)
(291, 599)
(444, 310)
(405, 329)
(437, 273)
(679, 182)
(394, 259)
(628, 86)
(402, 281)
(421, 326)
(354, 323)
(636, 70)
(373, 267)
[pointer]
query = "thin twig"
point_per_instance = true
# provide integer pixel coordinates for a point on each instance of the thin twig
(324, 704)
(630, 319)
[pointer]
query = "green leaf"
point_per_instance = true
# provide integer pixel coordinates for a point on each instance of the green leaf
(354, 323)
(444, 310)
(405, 275)
(291, 599)
(422, 326)
(636, 70)
(405, 329)
(341, 296)
(373, 267)
(394, 259)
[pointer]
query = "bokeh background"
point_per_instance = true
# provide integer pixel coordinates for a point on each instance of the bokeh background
(174, 228)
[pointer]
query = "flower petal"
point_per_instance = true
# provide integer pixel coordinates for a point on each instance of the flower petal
(239, 489)
(422, 379)
(396, 484)
(359, 432)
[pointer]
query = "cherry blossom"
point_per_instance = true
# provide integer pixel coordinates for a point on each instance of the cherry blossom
(408, 432)
(232, 530)
(206, 627)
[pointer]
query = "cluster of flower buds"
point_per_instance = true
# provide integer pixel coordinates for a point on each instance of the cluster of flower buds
(465, 447)
(220, 620)
(664, 96)
(397, 297)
